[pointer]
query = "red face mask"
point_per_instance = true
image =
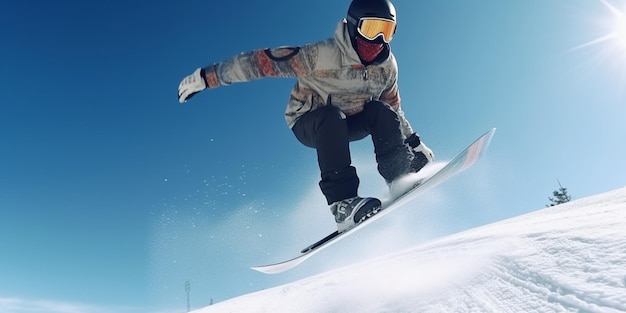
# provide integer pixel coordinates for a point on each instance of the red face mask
(368, 51)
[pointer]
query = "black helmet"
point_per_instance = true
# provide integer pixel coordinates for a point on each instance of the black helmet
(368, 8)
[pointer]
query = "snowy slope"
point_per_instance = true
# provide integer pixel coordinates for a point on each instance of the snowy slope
(568, 258)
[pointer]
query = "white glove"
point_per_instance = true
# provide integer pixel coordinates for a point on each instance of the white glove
(191, 85)
(425, 151)
(419, 147)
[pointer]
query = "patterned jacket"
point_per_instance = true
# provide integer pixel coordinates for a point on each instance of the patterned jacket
(328, 72)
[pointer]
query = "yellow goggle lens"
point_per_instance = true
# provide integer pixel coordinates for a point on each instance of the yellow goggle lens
(371, 28)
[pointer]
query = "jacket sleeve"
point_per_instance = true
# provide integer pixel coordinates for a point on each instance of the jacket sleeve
(277, 62)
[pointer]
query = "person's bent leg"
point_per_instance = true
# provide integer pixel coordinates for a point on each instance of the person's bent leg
(381, 122)
(325, 129)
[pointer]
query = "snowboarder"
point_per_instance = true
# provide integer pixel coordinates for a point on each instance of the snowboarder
(346, 89)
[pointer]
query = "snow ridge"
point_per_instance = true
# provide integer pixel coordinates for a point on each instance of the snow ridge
(567, 258)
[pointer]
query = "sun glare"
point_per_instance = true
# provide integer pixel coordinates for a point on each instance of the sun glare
(610, 44)
(620, 30)
(615, 33)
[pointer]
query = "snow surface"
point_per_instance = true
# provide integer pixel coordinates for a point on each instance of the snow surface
(567, 258)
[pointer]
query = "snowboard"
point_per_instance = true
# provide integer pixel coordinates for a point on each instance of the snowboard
(461, 162)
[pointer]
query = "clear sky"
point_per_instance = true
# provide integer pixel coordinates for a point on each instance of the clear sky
(112, 194)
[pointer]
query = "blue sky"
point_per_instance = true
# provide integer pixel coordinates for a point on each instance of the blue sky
(112, 194)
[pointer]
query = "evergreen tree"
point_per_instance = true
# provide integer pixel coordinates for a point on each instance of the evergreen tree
(560, 196)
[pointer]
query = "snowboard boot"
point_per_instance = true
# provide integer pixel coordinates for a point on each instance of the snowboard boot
(403, 183)
(418, 162)
(349, 212)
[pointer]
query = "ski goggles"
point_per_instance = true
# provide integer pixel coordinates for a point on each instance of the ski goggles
(372, 27)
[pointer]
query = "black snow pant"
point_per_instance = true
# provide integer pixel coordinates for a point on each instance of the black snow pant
(329, 131)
